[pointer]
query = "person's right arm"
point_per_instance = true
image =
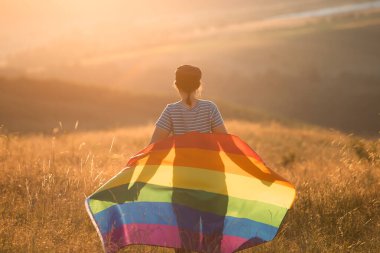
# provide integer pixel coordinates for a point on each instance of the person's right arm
(164, 126)
(220, 129)
(159, 134)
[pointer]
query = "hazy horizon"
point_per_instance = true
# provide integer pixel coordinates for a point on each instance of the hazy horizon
(315, 61)
(27, 24)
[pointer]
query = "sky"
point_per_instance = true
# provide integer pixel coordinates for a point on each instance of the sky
(27, 23)
(111, 24)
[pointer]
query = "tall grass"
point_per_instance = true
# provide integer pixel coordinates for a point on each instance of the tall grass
(45, 179)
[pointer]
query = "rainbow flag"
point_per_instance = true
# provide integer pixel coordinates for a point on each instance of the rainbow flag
(200, 192)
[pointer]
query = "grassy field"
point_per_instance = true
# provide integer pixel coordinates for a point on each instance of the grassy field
(45, 180)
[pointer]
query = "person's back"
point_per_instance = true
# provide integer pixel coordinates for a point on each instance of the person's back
(188, 114)
(178, 118)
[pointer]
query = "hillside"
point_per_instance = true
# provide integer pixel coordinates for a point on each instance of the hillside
(46, 179)
(28, 105)
(321, 70)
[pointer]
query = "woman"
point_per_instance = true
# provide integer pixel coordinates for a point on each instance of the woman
(190, 113)
(198, 230)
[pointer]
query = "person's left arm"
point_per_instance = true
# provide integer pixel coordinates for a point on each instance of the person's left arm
(217, 122)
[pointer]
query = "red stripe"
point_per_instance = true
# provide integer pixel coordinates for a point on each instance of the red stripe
(218, 142)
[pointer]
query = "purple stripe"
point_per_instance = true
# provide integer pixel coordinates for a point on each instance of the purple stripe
(162, 235)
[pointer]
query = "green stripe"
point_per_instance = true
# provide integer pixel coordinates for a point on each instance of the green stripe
(201, 200)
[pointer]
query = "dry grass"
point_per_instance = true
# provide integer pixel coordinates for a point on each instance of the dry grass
(46, 179)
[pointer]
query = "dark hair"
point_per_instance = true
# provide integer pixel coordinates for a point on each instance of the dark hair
(188, 79)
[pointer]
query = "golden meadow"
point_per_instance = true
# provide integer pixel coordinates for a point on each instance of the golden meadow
(46, 178)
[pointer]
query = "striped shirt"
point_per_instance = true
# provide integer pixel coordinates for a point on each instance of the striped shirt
(179, 119)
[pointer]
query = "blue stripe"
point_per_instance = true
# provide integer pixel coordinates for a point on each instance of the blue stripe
(163, 213)
(193, 126)
(180, 113)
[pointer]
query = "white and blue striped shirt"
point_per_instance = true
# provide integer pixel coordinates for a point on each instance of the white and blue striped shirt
(179, 119)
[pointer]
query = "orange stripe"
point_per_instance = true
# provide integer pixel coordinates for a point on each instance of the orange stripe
(211, 160)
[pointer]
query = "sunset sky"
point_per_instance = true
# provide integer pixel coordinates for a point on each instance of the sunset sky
(27, 23)
(102, 27)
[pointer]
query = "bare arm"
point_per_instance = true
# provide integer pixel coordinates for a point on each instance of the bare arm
(159, 134)
(220, 129)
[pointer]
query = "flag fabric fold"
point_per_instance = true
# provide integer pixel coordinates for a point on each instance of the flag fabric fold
(196, 191)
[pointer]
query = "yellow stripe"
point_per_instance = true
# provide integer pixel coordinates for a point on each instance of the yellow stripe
(211, 181)
(212, 160)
